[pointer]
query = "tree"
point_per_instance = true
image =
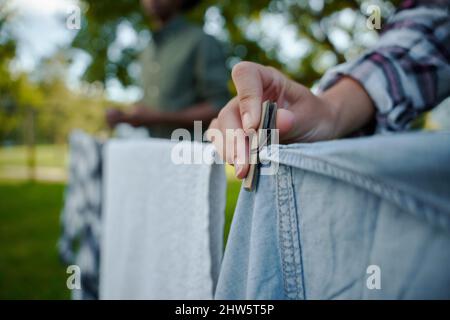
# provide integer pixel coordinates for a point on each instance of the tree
(7, 86)
(65, 108)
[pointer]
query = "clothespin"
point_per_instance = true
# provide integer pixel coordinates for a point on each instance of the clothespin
(260, 140)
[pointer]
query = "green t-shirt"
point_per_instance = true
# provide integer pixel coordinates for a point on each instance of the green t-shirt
(182, 66)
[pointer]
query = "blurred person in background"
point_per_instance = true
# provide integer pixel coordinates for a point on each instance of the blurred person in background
(384, 90)
(183, 74)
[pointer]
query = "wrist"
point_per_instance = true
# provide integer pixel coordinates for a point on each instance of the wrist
(333, 109)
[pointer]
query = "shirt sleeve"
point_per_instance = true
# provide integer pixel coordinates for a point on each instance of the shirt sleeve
(408, 71)
(212, 76)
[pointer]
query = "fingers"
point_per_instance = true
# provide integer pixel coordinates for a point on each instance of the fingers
(231, 143)
(248, 84)
(241, 116)
(214, 125)
(230, 124)
(213, 134)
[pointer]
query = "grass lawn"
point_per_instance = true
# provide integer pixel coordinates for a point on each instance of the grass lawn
(29, 229)
(233, 188)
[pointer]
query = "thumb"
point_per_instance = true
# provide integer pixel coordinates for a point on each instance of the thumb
(284, 122)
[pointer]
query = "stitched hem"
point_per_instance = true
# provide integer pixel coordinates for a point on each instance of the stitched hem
(288, 236)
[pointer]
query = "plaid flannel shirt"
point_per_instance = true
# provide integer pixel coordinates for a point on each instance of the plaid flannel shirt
(408, 71)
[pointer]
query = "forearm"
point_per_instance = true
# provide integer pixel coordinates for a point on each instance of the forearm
(406, 72)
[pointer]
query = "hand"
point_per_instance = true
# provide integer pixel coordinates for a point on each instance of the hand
(302, 116)
(114, 116)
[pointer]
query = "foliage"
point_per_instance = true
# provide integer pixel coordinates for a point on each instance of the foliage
(57, 108)
(66, 109)
(8, 86)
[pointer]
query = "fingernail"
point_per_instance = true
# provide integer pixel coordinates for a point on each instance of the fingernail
(246, 121)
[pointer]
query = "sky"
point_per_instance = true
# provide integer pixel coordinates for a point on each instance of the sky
(40, 28)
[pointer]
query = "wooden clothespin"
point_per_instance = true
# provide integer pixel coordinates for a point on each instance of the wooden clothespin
(260, 140)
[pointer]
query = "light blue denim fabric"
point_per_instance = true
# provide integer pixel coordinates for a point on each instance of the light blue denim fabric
(334, 209)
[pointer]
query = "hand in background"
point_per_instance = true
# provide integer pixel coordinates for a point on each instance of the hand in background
(142, 116)
(114, 117)
(137, 117)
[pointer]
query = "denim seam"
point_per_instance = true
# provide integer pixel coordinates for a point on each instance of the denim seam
(288, 236)
(296, 211)
(280, 234)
